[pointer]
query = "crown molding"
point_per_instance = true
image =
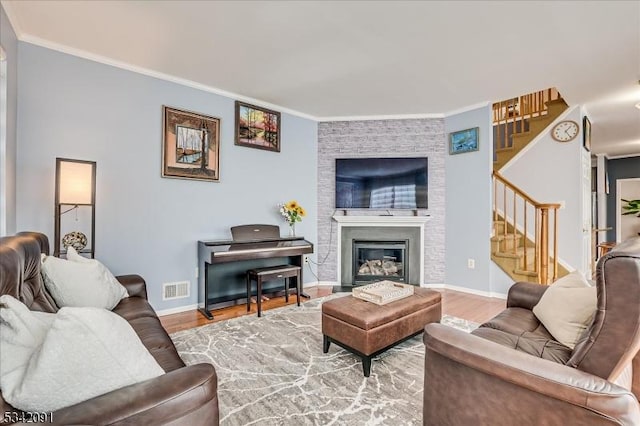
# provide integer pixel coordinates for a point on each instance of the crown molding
(467, 108)
(13, 18)
(403, 116)
(379, 117)
(37, 41)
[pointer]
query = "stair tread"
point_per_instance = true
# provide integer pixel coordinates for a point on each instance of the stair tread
(509, 236)
(519, 252)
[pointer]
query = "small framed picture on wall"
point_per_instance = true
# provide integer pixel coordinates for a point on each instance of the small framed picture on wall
(586, 133)
(257, 127)
(464, 141)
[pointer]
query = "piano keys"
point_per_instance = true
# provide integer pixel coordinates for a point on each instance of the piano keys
(222, 265)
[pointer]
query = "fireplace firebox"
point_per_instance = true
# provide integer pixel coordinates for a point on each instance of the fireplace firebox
(380, 260)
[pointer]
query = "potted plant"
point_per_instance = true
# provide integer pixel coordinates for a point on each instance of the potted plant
(632, 207)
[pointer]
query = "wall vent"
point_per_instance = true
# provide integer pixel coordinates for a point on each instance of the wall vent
(176, 290)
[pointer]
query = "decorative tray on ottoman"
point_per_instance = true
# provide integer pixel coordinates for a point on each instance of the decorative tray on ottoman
(383, 292)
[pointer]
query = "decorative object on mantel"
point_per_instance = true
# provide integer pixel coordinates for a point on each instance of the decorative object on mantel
(292, 213)
(76, 187)
(257, 127)
(464, 141)
(383, 292)
(190, 145)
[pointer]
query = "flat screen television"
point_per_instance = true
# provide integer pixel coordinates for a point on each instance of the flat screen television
(381, 183)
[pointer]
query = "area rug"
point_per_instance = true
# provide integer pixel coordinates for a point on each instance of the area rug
(271, 371)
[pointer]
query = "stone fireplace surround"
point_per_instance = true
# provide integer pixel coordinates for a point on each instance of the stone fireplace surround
(382, 228)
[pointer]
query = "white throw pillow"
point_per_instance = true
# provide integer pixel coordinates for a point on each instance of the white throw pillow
(567, 308)
(48, 363)
(81, 282)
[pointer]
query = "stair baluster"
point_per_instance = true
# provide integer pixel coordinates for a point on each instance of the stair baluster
(544, 245)
(513, 120)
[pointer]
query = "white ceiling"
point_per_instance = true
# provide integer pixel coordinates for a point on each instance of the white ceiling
(369, 58)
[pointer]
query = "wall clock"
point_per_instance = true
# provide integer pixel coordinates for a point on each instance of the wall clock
(565, 131)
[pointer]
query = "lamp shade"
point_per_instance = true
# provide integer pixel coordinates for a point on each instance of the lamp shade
(75, 183)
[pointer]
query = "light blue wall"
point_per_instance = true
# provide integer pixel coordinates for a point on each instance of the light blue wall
(468, 204)
(9, 42)
(75, 108)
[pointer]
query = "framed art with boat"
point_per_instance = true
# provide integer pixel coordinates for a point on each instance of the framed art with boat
(190, 145)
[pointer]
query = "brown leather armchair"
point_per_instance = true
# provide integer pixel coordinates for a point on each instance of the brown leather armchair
(184, 395)
(510, 371)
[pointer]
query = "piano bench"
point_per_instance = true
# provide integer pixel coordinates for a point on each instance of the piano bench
(260, 275)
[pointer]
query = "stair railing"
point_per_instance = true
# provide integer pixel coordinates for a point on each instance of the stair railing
(518, 212)
(510, 115)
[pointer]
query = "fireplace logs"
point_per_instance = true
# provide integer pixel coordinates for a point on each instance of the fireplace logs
(380, 267)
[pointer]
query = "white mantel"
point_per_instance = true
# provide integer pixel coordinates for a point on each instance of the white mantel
(380, 221)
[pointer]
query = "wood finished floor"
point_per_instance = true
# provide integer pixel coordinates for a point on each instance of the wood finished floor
(468, 306)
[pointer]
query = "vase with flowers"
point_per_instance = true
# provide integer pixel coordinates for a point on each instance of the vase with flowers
(292, 213)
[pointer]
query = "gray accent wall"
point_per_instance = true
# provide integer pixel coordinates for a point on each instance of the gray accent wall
(382, 138)
(9, 42)
(468, 204)
(619, 168)
(145, 224)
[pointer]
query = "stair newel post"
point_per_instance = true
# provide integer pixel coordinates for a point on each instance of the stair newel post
(536, 242)
(524, 236)
(544, 245)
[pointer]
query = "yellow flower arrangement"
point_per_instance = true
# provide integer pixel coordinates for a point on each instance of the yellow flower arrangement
(292, 212)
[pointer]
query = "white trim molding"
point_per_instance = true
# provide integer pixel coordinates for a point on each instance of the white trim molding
(482, 293)
(177, 310)
(379, 117)
(380, 221)
(442, 286)
(157, 74)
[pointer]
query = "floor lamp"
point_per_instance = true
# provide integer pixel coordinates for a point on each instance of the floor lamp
(75, 186)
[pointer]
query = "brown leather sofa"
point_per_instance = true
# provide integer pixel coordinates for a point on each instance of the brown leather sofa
(511, 371)
(184, 395)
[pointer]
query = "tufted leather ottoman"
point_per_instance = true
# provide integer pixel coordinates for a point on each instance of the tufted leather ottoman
(367, 329)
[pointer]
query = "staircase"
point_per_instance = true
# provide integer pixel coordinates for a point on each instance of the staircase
(525, 235)
(524, 242)
(517, 121)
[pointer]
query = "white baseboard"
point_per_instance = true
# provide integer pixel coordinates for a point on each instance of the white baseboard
(195, 306)
(326, 283)
(185, 308)
(467, 290)
(177, 310)
(445, 287)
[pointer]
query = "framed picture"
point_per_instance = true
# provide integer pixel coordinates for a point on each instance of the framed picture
(257, 127)
(190, 145)
(586, 133)
(463, 141)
